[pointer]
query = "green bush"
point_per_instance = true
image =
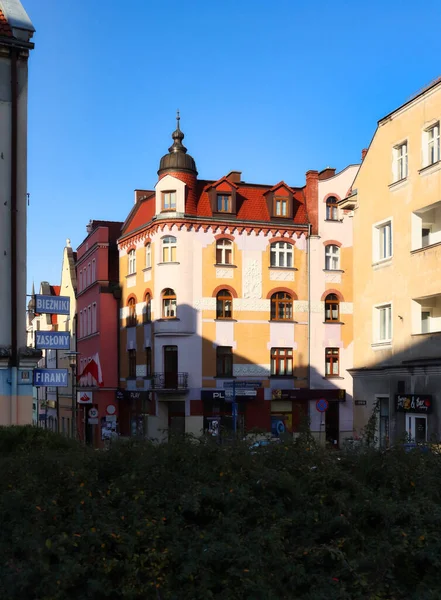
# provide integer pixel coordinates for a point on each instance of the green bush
(194, 521)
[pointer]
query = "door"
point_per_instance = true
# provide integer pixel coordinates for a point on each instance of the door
(332, 424)
(171, 367)
(176, 418)
(416, 427)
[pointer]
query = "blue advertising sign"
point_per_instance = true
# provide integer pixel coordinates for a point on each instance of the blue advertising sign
(50, 377)
(57, 340)
(52, 305)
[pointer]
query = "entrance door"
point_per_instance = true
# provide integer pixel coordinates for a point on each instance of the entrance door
(171, 367)
(332, 424)
(176, 418)
(416, 427)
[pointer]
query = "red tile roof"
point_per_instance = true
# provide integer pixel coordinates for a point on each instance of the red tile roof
(5, 28)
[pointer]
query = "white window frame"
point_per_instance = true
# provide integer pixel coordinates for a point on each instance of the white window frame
(428, 310)
(332, 253)
(401, 161)
(282, 253)
(224, 245)
(376, 320)
(148, 255)
(431, 145)
(131, 258)
(169, 200)
(410, 424)
(377, 240)
(167, 245)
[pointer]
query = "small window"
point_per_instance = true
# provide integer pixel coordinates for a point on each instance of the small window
(385, 241)
(281, 255)
(148, 362)
(433, 145)
(94, 321)
(332, 258)
(282, 361)
(281, 307)
(332, 308)
(224, 361)
(332, 356)
(168, 201)
(169, 249)
(400, 161)
(331, 209)
(80, 281)
(224, 252)
(81, 334)
(383, 324)
(224, 203)
(131, 317)
(132, 363)
(89, 274)
(169, 304)
(425, 321)
(93, 270)
(281, 206)
(148, 256)
(132, 262)
(224, 305)
(147, 312)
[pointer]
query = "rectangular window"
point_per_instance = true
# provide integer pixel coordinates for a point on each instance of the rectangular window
(89, 320)
(224, 361)
(168, 200)
(132, 262)
(223, 203)
(382, 241)
(94, 323)
(169, 249)
(280, 207)
(282, 361)
(89, 274)
(81, 325)
(80, 281)
(426, 226)
(332, 362)
(148, 256)
(148, 361)
(132, 363)
(384, 323)
(93, 270)
(433, 146)
(425, 321)
(401, 161)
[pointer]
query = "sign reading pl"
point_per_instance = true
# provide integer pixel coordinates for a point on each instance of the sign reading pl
(52, 305)
(57, 340)
(50, 377)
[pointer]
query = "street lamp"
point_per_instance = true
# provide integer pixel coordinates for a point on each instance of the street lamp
(72, 356)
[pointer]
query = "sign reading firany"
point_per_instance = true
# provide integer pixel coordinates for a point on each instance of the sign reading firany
(414, 403)
(50, 377)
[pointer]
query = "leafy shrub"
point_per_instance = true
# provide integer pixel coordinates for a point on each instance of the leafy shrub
(194, 521)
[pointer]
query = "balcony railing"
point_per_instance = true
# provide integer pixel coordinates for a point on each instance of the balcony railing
(170, 381)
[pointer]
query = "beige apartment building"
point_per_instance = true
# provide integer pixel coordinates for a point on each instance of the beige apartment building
(396, 204)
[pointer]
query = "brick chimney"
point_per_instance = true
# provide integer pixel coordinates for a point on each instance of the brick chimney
(363, 154)
(234, 176)
(311, 197)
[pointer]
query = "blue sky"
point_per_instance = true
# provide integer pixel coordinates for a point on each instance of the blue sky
(268, 88)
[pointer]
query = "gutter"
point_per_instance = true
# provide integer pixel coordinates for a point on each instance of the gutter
(14, 171)
(309, 305)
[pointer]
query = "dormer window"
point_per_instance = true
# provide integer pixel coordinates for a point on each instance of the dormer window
(224, 203)
(281, 206)
(331, 209)
(169, 200)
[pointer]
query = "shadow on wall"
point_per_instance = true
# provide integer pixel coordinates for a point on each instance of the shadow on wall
(194, 360)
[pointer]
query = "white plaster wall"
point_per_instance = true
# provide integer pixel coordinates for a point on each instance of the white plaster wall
(169, 184)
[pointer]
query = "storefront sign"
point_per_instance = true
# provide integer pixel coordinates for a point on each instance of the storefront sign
(250, 385)
(413, 403)
(212, 395)
(281, 423)
(360, 402)
(50, 377)
(56, 340)
(307, 394)
(125, 395)
(240, 392)
(84, 397)
(52, 305)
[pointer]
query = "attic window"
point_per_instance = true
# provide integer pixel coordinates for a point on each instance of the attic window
(224, 203)
(169, 200)
(281, 206)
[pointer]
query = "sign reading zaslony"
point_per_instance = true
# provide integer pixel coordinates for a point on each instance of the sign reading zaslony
(413, 403)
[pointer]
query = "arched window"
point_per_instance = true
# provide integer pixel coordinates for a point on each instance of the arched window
(332, 258)
(282, 254)
(281, 307)
(331, 208)
(224, 305)
(169, 249)
(132, 262)
(168, 304)
(148, 256)
(147, 312)
(131, 317)
(224, 252)
(332, 308)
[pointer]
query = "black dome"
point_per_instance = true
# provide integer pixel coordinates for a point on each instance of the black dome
(177, 158)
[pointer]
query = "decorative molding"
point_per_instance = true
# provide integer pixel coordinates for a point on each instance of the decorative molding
(205, 304)
(251, 304)
(331, 277)
(141, 370)
(131, 280)
(252, 278)
(346, 308)
(253, 370)
(224, 273)
(285, 275)
(300, 306)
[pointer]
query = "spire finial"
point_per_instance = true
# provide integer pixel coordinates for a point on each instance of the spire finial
(178, 118)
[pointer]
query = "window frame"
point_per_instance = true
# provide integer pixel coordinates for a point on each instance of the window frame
(131, 258)
(223, 246)
(331, 302)
(401, 161)
(281, 362)
(378, 308)
(167, 194)
(332, 251)
(131, 320)
(148, 361)
(222, 197)
(168, 245)
(284, 250)
(147, 310)
(332, 357)
(284, 202)
(148, 255)
(331, 208)
(285, 300)
(224, 361)
(132, 363)
(221, 303)
(433, 141)
(169, 300)
(378, 244)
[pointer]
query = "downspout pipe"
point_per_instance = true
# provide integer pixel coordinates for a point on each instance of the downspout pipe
(309, 305)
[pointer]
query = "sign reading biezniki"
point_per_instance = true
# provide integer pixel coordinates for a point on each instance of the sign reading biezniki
(52, 305)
